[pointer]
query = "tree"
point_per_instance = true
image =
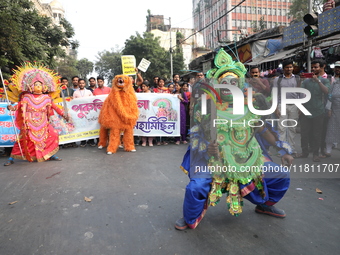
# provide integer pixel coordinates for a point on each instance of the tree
(299, 8)
(84, 67)
(178, 58)
(109, 64)
(27, 36)
(148, 47)
(67, 67)
(260, 25)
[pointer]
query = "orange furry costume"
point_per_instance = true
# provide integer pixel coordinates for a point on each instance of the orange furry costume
(118, 114)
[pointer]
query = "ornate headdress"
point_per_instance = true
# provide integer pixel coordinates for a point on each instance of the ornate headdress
(225, 64)
(25, 76)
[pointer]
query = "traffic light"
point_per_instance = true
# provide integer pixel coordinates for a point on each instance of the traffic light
(312, 21)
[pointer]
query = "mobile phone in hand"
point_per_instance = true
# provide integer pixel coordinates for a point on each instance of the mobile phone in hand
(307, 75)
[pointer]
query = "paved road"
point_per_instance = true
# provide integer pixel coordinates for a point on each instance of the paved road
(137, 197)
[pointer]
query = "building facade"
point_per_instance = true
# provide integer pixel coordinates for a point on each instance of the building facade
(248, 18)
(160, 27)
(53, 9)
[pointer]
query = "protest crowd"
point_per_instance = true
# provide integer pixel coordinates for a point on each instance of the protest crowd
(318, 131)
(226, 145)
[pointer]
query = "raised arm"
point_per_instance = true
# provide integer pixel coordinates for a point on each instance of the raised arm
(139, 79)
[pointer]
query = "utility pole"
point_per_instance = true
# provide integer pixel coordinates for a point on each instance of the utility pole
(171, 65)
(309, 42)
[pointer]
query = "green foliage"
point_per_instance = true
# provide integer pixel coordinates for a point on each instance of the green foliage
(67, 67)
(84, 67)
(260, 25)
(148, 23)
(109, 64)
(148, 47)
(27, 36)
(299, 8)
(179, 37)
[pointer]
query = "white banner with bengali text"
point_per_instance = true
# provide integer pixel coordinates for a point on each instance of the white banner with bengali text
(159, 115)
(7, 132)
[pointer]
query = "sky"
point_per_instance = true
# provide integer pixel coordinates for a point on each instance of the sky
(102, 24)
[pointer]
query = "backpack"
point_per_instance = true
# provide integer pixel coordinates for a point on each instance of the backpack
(297, 79)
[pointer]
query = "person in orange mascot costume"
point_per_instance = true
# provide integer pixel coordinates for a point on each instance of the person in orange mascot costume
(118, 114)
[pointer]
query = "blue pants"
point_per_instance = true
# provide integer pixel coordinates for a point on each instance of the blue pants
(275, 185)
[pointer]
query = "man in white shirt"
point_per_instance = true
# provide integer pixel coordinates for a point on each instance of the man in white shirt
(287, 80)
(82, 92)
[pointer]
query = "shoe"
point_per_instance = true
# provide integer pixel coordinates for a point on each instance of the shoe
(150, 144)
(316, 158)
(82, 145)
(158, 143)
(165, 143)
(181, 224)
(301, 155)
(270, 210)
(92, 144)
(55, 158)
(9, 162)
(143, 144)
(185, 142)
(178, 142)
(121, 146)
(74, 145)
(325, 155)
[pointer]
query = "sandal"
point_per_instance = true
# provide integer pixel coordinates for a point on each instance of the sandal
(55, 158)
(316, 158)
(9, 162)
(301, 155)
